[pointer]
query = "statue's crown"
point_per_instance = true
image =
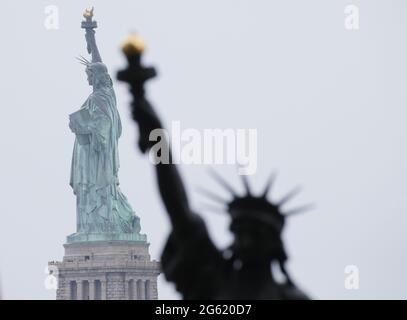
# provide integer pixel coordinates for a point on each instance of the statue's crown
(257, 207)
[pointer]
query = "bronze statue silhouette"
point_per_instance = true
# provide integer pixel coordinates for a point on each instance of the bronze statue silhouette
(190, 259)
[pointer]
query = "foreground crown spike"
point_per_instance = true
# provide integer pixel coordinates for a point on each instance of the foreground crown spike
(269, 184)
(246, 184)
(222, 182)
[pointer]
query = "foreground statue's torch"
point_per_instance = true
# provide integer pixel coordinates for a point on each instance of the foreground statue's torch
(136, 75)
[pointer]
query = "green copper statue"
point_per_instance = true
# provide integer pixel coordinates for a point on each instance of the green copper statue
(103, 212)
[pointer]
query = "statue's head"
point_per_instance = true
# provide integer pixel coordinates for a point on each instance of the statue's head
(98, 75)
(257, 223)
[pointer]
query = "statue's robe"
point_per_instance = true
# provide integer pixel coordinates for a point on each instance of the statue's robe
(101, 206)
(200, 270)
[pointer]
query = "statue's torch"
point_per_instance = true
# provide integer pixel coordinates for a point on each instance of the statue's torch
(89, 25)
(135, 74)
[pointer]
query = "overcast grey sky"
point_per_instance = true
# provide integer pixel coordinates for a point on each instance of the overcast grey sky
(328, 104)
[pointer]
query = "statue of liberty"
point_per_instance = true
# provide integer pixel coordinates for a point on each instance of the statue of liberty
(103, 212)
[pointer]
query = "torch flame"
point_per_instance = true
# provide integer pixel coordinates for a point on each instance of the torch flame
(133, 44)
(88, 14)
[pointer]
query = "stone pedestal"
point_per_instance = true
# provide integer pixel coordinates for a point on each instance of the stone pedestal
(107, 270)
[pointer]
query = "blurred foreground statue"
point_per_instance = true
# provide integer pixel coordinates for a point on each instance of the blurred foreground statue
(190, 259)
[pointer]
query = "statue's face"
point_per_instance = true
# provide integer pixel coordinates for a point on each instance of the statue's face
(89, 73)
(255, 240)
(97, 73)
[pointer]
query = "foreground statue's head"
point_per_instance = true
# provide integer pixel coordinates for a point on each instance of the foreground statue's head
(257, 226)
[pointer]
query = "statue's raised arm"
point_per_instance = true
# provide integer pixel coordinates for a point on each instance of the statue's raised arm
(89, 25)
(190, 259)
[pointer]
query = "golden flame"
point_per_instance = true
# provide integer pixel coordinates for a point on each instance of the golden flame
(133, 44)
(88, 13)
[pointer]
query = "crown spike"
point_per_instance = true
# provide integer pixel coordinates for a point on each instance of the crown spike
(84, 59)
(211, 195)
(246, 184)
(222, 182)
(301, 209)
(289, 196)
(80, 60)
(269, 185)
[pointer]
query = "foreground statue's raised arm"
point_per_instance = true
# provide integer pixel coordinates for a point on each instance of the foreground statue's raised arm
(190, 259)
(189, 246)
(170, 184)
